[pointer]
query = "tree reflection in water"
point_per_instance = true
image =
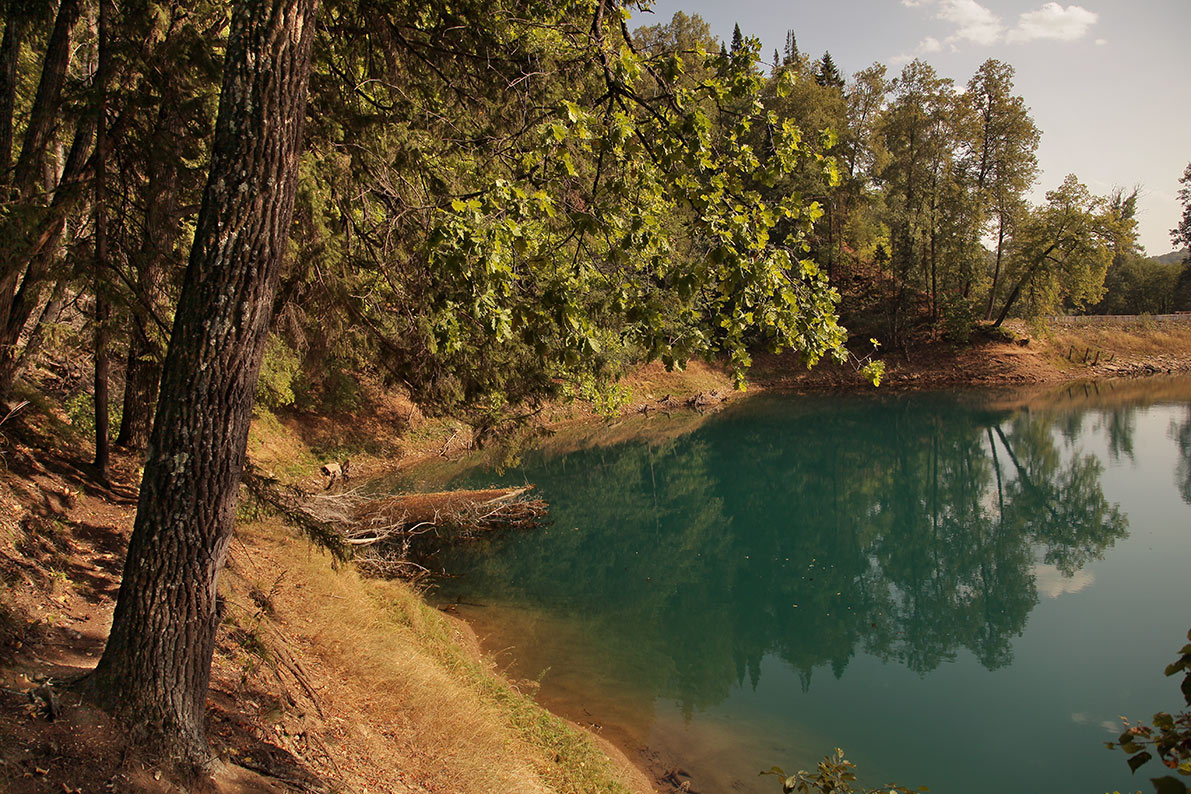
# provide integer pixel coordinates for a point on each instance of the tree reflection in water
(908, 529)
(1181, 432)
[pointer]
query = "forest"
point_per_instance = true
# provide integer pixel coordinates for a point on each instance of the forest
(489, 249)
(210, 207)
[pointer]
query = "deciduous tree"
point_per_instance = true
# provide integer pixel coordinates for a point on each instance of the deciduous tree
(1060, 252)
(1001, 155)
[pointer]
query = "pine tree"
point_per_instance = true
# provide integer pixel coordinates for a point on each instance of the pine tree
(828, 75)
(792, 53)
(737, 39)
(1181, 234)
(156, 667)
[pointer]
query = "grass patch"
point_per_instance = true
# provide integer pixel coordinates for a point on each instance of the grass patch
(408, 685)
(272, 446)
(1135, 340)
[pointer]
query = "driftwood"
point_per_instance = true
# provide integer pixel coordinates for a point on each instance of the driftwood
(395, 535)
(290, 502)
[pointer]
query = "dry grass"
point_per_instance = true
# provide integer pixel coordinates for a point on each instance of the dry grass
(277, 450)
(409, 704)
(1139, 340)
(652, 381)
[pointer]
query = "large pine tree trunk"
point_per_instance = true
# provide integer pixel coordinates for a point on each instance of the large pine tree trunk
(156, 667)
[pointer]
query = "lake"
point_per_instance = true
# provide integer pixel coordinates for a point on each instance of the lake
(963, 591)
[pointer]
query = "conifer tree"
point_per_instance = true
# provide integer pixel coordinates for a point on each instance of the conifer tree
(828, 74)
(792, 53)
(1181, 234)
(156, 667)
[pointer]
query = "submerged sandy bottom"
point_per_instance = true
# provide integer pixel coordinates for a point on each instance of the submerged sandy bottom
(714, 753)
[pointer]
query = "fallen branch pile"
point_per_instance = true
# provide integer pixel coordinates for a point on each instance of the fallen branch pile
(394, 536)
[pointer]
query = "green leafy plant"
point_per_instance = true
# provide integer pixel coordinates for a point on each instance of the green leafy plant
(833, 775)
(279, 371)
(870, 368)
(80, 409)
(1169, 737)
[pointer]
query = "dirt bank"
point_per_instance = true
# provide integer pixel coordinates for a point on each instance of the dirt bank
(1023, 354)
(323, 680)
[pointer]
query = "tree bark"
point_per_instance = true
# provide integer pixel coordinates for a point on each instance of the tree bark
(155, 670)
(10, 50)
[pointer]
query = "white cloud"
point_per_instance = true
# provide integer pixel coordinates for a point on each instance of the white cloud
(973, 21)
(977, 24)
(1081, 718)
(925, 47)
(1052, 582)
(1053, 21)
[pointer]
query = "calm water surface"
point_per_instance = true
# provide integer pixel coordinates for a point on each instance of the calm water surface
(963, 592)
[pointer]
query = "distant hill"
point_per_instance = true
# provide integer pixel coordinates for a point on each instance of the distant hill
(1173, 258)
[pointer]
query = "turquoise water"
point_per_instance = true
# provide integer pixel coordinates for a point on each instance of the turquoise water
(962, 591)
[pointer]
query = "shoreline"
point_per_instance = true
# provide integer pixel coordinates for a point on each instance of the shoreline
(57, 621)
(612, 724)
(689, 396)
(1055, 386)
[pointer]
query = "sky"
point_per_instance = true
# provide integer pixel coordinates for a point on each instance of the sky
(1107, 81)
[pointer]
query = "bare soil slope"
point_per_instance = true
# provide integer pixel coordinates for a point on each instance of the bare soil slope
(323, 680)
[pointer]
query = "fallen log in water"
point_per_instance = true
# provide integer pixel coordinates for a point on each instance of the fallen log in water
(394, 535)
